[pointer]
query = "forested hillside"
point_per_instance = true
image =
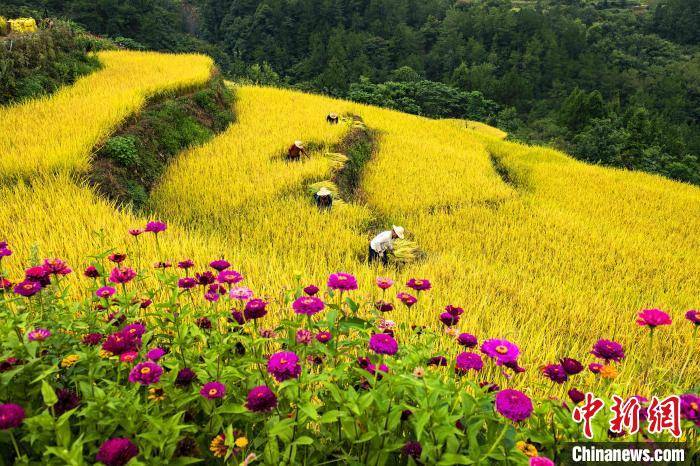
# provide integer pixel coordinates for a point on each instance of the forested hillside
(612, 82)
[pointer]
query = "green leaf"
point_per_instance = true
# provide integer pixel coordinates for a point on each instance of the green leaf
(48, 393)
(330, 416)
(303, 440)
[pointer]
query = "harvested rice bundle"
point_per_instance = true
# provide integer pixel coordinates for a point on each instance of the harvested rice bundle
(336, 158)
(23, 25)
(406, 251)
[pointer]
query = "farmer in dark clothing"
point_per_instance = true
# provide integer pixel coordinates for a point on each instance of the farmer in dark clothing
(324, 199)
(296, 151)
(332, 118)
(381, 244)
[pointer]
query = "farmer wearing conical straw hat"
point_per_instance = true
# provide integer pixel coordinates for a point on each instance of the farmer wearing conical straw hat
(324, 198)
(381, 244)
(332, 118)
(296, 151)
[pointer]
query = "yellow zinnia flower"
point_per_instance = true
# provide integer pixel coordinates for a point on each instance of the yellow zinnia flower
(70, 360)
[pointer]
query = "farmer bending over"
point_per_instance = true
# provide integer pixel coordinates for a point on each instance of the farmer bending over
(296, 151)
(332, 118)
(383, 243)
(324, 199)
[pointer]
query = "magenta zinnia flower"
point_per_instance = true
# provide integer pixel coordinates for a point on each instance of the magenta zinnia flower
(93, 339)
(384, 283)
(311, 290)
(412, 449)
(468, 361)
(156, 227)
(407, 299)
(155, 354)
(449, 319)
(213, 390)
(39, 274)
(122, 275)
(576, 395)
(39, 334)
(513, 404)
(186, 264)
(342, 281)
(555, 373)
(308, 305)
(540, 461)
(56, 267)
(145, 373)
(608, 350)
(502, 351)
(454, 310)
(693, 316)
(284, 365)
(105, 292)
(690, 407)
(185, 377)
(437, 361)
(383, 343)
(255, 309)
(27, 288)
(383, 306)
(117, 452)
(91, 272)
(571, 366)
(117, 258)
(136, 329)
(11, 416)
(303, 337)
(230, 277)
(187, 283)
(467, 339)
(653, 318)
(261, 399)
(205, 278)
(219, 265)
(419, 284)
(324, 337)
(594, 367)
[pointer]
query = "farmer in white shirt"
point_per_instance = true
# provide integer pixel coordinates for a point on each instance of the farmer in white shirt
(383, 243)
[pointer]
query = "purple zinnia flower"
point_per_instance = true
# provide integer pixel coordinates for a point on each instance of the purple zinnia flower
(540, 461)
(211, 296)
(449, 319)
(467, 339)
(122, 275)
(595, 367)
(255, 309)
(105, 292)
(383, 343)
(303, 337)
(230, 277)
(155, 354)
(311, 290)
(39, 334)
(690, 407)
(653, 318)
(308, 305)
(67, 400)
(91, 272)
(407, 299)
(156, 227)
(454, 310)
(117, 258)
(11, 416)
(502, 351)
(93, 339)
(693, 316)
(145, 373)
(284, 365)
(384, 283)
(555, 373)
(27, 288)
(571, 366)
(237, 316)
(576, 396)
(324, 337)
(437, 361)
(342, 281)
(204, 323)
(412, 449)
(419, 284)
(513, 404)
(213, 390)
(56, 267)
(39, 274)
(136, 329)
(608, 350)
(186, 264)
(185, 377)
(219, 265)
(117, 452)
(261, 399)
(205, 278)
(468, 361)
(187, 283)
(383, 306)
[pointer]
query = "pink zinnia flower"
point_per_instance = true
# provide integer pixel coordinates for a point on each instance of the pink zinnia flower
(540, 461)
(117, 452)
(468, 361)
(27, 288)
(230, 277)
(514, 405)
(419, 284)
(383, 343)
(135, 231)
(156, 227)
(324, 337)
(186, 264)
(384, 283)
(219, 265)
(303, 337)
(187, 283)
(105, 292)
(11, 416)
(155, 354)
(693, 316)
(653, 318)
(117, 258)
(308, 305)
(342, 281)
(122, 275)
(407, 299)
(56, 267)
(311, 290)
(145, 373)
(261, 399)
(284, 365)
(502, 351)
(39, 334)
(91, 272)
(129, 356)
(212, 390)
(241, 293)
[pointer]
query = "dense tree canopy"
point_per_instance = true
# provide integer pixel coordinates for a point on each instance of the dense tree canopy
(610, 81)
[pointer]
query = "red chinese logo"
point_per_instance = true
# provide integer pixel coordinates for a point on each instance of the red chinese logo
(586, 412)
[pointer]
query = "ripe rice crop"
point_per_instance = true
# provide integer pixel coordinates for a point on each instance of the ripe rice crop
(555, 256)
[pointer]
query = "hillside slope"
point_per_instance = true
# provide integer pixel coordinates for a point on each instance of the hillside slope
(554, 255)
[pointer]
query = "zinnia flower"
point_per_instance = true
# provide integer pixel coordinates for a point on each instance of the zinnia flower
(230, 277)
(39, 334)
(67, 400)
(205, 278)
(187, 283)
(39, 274)
(117, 452)
(513, 404)
(204, 323)
(308, 305)
(105, 292)
(653, 318)
(571, 366)
(219, 265)
(468, 361)
(11, 416)
(384, 283)
(56, 267)
(91, 272)
(454, 310)
(212, 390)
(448, 319)
(412, 449)
(129, 356)
(502, 351)
(218, 446)
(407, 299)
(121, 275)
(541, 461)
(595, 367)
(528, 449)
(135, 232)
(186, 264)
(382, 343)
(303, 337)
(155, 354)
(608, 350)
(156, 394)
(342, 281)
(311, 290)
(261, 399)
(419, 284)
(324, 337)
(70, 360)
(27, 288)
(145, 373)
(690, 407)
(241, 293)
(156, 227)
(185, 377)
(608, 372)
(383, 306)
(93, 339)
(437, 361)
(255, 309)
(284, 365)
(467, 339)
(576, 396)
(693, 316)
(555, 373)
(117, 258)
(136, 329)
